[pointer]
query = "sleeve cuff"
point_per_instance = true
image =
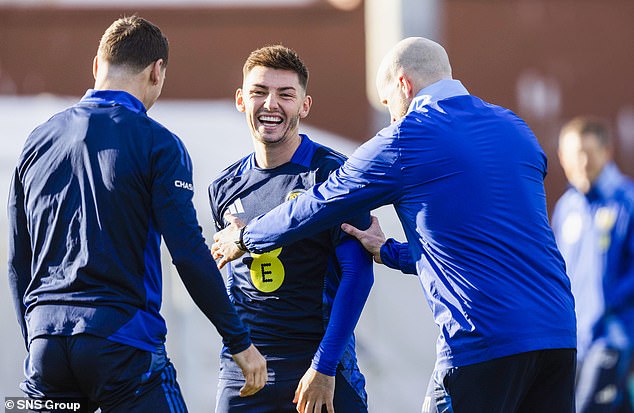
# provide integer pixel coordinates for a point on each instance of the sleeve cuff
(390, 253)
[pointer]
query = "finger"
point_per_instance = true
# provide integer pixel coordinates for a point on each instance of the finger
(231, 219)
(350, 229)
(263, 375)
(221, 263)
(247, 389)
(319, 406)
(298, 390)
(301, 402)
(330, 407)
(216, 236)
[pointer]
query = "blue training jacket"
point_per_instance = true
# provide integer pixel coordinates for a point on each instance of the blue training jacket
(595, 233)
(95, 188)
(466, 180)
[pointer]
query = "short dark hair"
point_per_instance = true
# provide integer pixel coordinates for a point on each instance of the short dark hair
(277, 57)
(133, 42)
(583, 125)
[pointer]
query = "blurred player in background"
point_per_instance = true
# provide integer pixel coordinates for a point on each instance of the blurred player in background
(594, 226)
(300, 302)
(467, 181)
(95, 188)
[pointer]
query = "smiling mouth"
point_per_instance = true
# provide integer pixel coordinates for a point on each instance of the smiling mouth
(270, 120)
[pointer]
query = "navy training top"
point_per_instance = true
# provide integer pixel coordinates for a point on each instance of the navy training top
(94, 189)
(302, 301)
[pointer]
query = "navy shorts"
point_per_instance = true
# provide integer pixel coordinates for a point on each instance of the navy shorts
(100, 373)
(277, 397)
(538, 381)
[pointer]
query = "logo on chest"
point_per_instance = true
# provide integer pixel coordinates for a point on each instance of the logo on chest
(236, 207)
(294, 194)
(267, 270)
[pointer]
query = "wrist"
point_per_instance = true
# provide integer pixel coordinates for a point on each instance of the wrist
(240, 241)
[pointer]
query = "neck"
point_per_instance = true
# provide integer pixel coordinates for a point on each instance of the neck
(272, 155)
(125, 87)
(115, 78)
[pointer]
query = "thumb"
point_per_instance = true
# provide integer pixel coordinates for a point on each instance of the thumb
(350, 229)
(230, 218)
(233, 220)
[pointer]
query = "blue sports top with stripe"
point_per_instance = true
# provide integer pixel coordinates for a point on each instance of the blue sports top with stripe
(94, 189)
(467, 181)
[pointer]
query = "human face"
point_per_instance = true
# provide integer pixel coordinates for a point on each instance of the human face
(273, 101)
(582, 158)
(393, 94)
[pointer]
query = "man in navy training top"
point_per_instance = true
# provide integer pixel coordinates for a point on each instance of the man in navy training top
(302, 301)
(594, 226)
(466, 180)
(95, 188)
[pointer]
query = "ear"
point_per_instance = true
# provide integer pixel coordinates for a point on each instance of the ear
(308, 102)
(95, 66)
(155, 72)
(240, 101)
(405, 85)
(560, 154)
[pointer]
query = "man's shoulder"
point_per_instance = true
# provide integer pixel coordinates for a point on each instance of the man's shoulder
(326, 157)
(625, 193)
(227, 175)
(570, 197)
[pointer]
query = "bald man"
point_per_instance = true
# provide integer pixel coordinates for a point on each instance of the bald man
(466, 180)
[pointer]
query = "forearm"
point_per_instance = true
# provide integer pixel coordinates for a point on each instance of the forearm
(17, 290)
(356, 281)
(201, 277)
(19, 253)
(206, 287)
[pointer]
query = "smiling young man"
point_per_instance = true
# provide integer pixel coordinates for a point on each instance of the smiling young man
(301, 302)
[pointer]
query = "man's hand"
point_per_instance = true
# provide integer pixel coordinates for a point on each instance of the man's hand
(253, 367)
(314, 391)
(372, 238)
(224, 247)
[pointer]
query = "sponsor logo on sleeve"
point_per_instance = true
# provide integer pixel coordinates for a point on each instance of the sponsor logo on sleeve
(183, 184)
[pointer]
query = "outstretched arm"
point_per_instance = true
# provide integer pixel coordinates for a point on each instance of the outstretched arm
(368, 179)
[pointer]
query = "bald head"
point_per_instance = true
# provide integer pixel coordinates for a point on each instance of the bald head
(422, 60)
(411, 65)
